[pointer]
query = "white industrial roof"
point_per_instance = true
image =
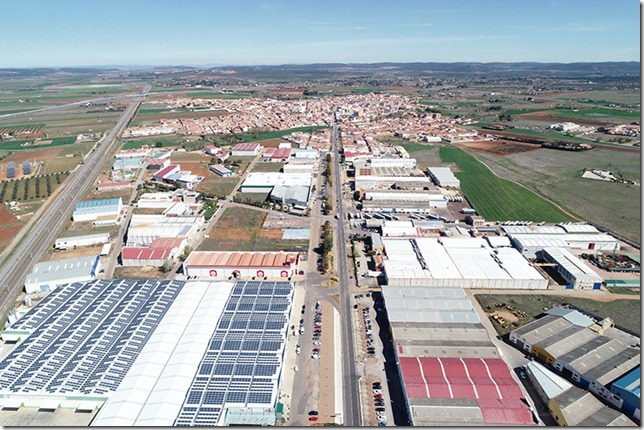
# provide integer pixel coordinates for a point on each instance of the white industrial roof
(454, 258)
(154, 389)
(60, 270)
(532, 229)
(578, 228)
(443, 174)
(261, 179)
(539, 241)
(551, 383)
(427, 304)
(572, 264)
(498, 241)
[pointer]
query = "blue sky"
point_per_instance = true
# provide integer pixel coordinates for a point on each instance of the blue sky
(40, 33)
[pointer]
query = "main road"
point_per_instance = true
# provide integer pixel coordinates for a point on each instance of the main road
(352, 415)
(19, 265)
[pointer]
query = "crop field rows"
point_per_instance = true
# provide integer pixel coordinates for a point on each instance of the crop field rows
(497, 199)
(33, 188)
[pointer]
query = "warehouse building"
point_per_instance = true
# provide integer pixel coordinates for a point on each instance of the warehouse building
(399, 229)
(259, 182)
(144, 229)
(49, 275)
(276, 155)
(299, 167)
(409, 163)
(577, 407)
(221, 170)
(451, 372)
(425, 199)
(91, 210)
(457, 262)
(246, 149)
(576, 274)
(547, 384)
(530, 239)
(121, 164)
(296, 196)
(159, 353)
(443, 176)
(74, 242)
(586, 351)
(241, 265)
(164, 173)
(134, 256)
(628, 389)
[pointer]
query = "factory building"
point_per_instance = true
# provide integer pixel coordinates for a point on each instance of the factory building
(530, 239)
(144, 229)
(50, 275)
(134, 256)
(241, 265)
(451, 372)
(457, 262)
(590, 353)
(73, 242)
(221, 170)
(577, 407)
(628, 389)
(246, 149)
(259, 182)
(547, 384)
(91, 210)
(409, 163)
(153, 353)
(404, 199)
(296, 196)
(276, 155)
(443, 177)
(576, 274)
(299, 167)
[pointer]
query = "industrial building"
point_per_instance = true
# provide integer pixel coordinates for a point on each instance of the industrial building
(49, 275)
(627, 388)
(451, 372)
(409, 163)
(156, 200)
(152, 352)
(299, 167)
(73, 242)
(259, 182)
(530, 239)
(577, 407)
(443, 176)
(276, 155)
(403, 200)
(547, 384)
(296, 196)
(91, 210)
(159, 252)
(241, 265)
(457, 262)
(221, 170)
(586, 351)
(576, 274)
(144, 229)
(127, 164)
(246, 149)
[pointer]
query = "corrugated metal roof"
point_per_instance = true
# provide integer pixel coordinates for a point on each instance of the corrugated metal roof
(240, 259)
(133, 253)
(92, 204)
(245, 147)
(60, 270)
(572, 315)
(630, 381)
(551, 383)
(167, 242)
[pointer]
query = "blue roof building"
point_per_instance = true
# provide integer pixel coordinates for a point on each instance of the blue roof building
(91, 209)
(628, 388)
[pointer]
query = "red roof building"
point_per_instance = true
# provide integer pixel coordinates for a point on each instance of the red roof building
(224, 265)
(135, 256)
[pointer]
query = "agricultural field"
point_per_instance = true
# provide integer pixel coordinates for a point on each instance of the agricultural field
(240, 229)
(494, 198)
(29, 144)
(254, 137)
(156, 142)
(267, 167)
(56, 165)
(557, 176)
(426, 154)
(218, 187)
(32, 188)
(625, 313)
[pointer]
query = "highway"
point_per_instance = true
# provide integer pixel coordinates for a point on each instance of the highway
(19, 265)
(352, 411)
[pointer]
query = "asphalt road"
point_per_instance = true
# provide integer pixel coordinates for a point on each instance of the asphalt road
(351, 389)
(19, 265)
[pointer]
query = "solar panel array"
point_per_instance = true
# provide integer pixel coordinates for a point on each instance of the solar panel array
(26, 168)
(11, 170)
(85, 336)
(242, 364)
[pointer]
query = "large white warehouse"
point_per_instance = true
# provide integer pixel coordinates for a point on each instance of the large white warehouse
(574, 271)
(49, 275)
(457, 262)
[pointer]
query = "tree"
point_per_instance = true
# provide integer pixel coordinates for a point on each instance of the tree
(167, 267)
(187, 250)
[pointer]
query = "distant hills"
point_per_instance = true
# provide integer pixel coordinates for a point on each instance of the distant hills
(614, 68)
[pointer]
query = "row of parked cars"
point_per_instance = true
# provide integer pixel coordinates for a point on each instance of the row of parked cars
(317, 331)
(371, 350)
(379, 403)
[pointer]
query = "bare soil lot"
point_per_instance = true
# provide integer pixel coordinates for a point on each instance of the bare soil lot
(38, 154)
(547, 116)
(500, 147)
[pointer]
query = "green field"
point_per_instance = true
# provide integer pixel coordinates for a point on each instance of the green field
(218, 187)
(267, 167)
(55, 165)
(253, 137)
(625, 313)
(17, 145)
(557, 176)
(598, 114)
(495, 198)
